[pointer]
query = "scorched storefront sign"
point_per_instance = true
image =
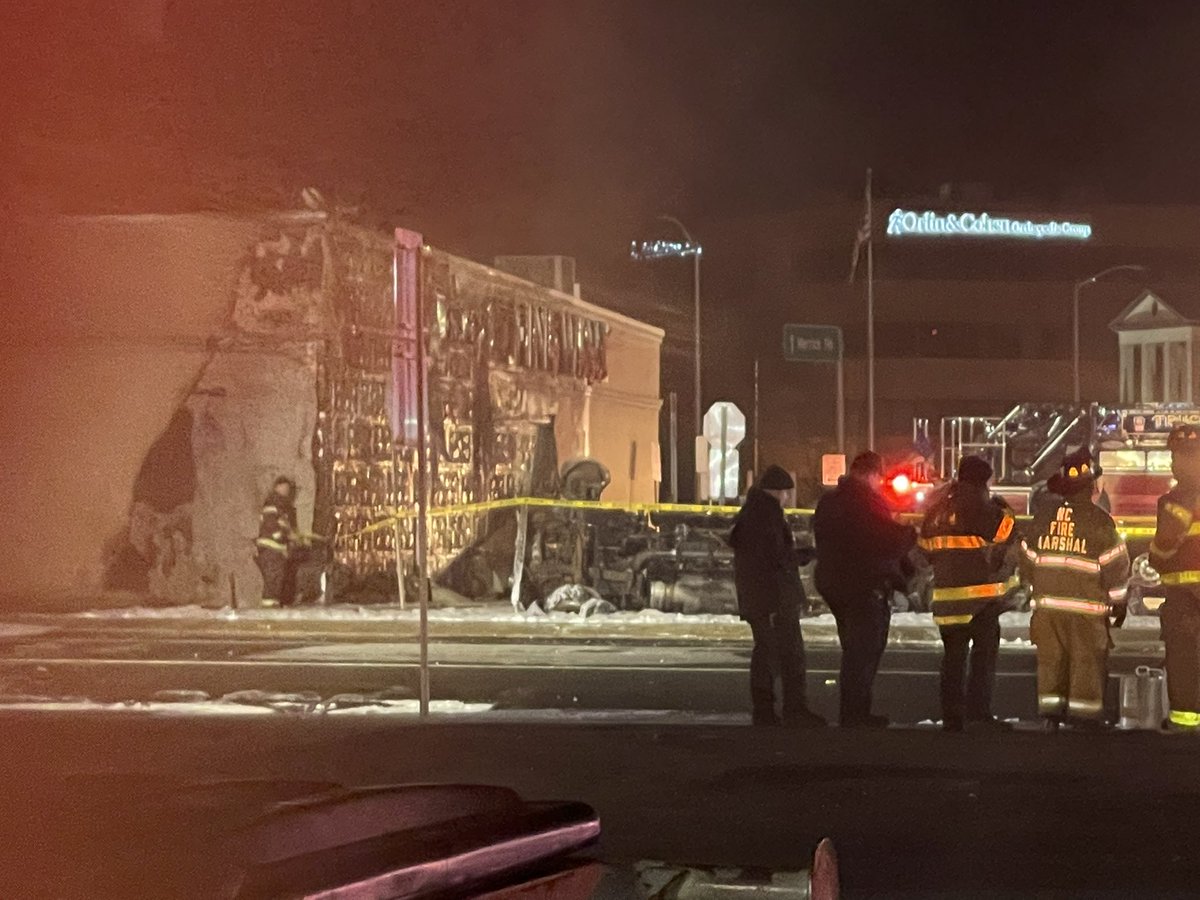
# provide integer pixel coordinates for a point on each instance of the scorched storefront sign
(907, 222)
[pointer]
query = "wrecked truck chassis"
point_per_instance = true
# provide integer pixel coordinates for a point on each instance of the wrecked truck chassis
(675, 562)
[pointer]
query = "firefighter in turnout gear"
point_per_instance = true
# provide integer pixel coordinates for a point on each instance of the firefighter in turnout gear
(1175, 555)
(1078, 568)
(966, 536)
(276, 543)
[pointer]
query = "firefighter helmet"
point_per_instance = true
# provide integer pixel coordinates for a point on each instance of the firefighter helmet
(1185, 438)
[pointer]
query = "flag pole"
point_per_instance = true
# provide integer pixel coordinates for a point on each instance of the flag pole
(870, 326)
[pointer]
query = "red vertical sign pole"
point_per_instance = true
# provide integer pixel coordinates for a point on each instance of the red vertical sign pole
(410, 415)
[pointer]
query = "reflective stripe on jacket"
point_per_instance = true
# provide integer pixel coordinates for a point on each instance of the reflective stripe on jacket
(965, 536)
(1075, 559)
(1175, 550)
(276, 524)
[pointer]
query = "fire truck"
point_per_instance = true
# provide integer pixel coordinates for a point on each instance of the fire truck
(1026, 446)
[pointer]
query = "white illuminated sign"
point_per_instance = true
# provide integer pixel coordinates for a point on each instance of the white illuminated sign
(904, 222)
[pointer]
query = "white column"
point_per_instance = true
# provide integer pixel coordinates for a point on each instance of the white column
(1166, 372)
(1190, 390)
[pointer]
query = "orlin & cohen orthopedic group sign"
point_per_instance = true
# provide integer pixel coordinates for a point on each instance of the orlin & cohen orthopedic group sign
(905, 222)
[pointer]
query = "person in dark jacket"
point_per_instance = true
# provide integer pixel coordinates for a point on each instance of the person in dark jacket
(965, 536)
(276, 543)
(861, 554)
(770, 595)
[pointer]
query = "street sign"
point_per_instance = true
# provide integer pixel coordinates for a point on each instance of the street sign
(725, 424)
(833, 467)
(812, 343)
(820, 344)
(724, 429)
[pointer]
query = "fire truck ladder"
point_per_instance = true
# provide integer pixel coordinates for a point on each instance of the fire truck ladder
(985, 436)
(1062, 428)
(991, 438)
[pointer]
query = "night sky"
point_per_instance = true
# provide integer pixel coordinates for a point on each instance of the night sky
(567, 126)
(524, 124)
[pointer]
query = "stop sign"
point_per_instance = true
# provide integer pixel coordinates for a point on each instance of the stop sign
(724, 424)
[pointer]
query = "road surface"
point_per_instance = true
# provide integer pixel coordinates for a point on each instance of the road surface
(696, 666)
(913, 813)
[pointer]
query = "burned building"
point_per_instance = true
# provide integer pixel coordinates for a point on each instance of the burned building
(161, 370)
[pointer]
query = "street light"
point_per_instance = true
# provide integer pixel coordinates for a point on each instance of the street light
(1075, 312)
(646, 250)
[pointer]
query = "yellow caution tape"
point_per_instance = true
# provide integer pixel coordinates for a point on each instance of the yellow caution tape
(459, 509)
(1127, 526)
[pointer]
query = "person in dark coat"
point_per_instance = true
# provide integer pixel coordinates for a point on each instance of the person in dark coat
(862, 553)
(770, 595)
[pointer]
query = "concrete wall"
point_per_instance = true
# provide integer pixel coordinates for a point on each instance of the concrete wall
(253, 417)
(104, 333)
(625, 409)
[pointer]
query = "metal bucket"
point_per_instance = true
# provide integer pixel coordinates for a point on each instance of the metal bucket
(1143, 699)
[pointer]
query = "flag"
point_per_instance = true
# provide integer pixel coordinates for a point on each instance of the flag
(863, 237)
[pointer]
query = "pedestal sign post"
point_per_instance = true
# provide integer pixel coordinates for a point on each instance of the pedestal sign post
(820, 344)
(410, 422)
(724, 429)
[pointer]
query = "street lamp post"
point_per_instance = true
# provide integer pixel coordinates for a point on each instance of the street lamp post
(644, 250)
(1075, 315)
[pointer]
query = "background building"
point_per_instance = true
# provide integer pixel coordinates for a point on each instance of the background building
(964, 326)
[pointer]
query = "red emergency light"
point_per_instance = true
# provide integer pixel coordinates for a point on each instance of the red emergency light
(901, 484)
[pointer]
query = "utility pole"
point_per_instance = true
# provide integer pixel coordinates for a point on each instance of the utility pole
(1079, 285)
(870, 325)
(644, 250)
(756, 470)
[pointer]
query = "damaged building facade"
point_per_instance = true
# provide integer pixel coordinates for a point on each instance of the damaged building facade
(161, 370)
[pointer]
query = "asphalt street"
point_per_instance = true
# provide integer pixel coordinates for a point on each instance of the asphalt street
(913, 813)
(645, 724)
(121, 661)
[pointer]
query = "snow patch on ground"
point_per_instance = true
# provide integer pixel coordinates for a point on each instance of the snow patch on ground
(393, 613)
(619, 716)
(243, 704)
(397, 708)
(16, 631)
(501, 614)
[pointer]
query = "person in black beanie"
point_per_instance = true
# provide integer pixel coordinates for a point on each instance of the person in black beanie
(965, 536)
(769, 592)
(861, 557)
